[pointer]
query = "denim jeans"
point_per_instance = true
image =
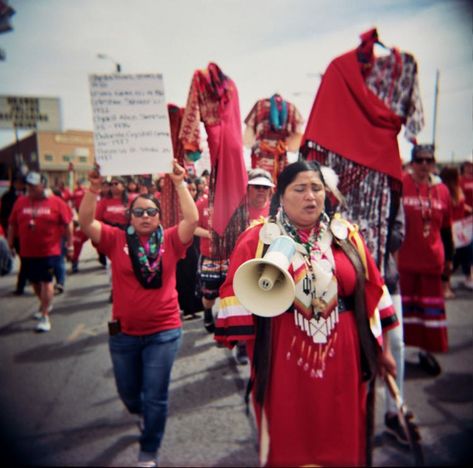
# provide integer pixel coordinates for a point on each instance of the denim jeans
(142, 368)
(60, 267)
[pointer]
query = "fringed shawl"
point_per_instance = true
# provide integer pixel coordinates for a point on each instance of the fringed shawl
(213, 99)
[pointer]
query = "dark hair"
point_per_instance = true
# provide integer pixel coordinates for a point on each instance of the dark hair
(145, 196)
(450, 176)
(288, 175)
(416, 149)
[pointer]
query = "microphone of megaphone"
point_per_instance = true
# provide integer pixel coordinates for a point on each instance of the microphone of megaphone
(263, 285)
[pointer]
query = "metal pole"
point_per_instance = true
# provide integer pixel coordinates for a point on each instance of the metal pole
(436, 95)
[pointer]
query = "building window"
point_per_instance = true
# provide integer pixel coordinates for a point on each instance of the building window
(48, 157)
(66, 158)
(83, 159)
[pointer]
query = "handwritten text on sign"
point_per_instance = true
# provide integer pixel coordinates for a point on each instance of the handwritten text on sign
(131, 124)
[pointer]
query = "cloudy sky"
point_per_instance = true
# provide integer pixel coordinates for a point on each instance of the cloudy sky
(265, 46)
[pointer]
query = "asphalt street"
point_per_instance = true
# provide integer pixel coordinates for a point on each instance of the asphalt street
(59, 406)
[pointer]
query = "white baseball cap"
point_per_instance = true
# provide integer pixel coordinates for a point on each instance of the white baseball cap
(33, 178)
(261, 181)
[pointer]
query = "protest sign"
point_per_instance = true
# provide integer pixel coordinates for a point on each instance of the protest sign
(131, 124)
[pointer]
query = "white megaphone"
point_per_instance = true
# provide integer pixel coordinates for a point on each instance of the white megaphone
(263, 285)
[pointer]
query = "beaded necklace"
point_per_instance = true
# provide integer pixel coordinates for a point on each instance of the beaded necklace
(311, 240)
(425, 209)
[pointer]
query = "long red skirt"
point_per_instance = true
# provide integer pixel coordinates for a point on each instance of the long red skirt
(424, 317)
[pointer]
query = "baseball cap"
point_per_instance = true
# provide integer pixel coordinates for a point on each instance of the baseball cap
(261, 181)
(260, 177)
(33, 178)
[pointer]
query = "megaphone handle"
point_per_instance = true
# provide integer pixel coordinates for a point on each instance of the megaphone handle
(268, 277)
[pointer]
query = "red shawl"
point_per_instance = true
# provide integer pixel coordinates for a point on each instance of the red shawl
(348, 119)
(170, 213)
(213, 99)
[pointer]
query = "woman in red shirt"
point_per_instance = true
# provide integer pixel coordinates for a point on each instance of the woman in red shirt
(145, 330)
(427, 248)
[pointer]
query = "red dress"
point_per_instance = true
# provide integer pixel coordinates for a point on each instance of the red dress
(315, 403)
(421, 261)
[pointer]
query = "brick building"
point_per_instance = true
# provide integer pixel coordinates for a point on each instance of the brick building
(62, 156)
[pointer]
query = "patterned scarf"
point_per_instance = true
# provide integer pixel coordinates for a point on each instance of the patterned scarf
(147, 260)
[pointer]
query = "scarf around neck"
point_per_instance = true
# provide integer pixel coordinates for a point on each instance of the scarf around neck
(147, 259)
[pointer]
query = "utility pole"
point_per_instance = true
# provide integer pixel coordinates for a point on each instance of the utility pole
(436, 96)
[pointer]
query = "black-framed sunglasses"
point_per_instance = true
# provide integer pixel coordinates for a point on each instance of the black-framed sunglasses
(261, 187)
(423, 160)
(139, 212)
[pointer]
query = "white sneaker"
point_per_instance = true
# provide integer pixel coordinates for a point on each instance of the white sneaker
(146, 459)
(44, 324)
(37, 315)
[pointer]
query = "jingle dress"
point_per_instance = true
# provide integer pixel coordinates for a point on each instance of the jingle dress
(314, 410)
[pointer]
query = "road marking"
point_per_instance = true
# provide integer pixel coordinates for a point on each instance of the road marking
(81, 329)
(76, 332)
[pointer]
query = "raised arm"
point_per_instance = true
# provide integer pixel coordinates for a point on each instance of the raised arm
(89, 225)
(190, 215)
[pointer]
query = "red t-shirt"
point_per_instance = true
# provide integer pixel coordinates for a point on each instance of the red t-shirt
(66, 194)
(467, 187)
(143, 311)
(203, 208)
(256, 213)
(77, 197)
(418, 253)
(39, 225)
(111, 211)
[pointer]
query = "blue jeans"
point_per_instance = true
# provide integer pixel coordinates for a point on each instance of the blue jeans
(142, 367)
(60, 267)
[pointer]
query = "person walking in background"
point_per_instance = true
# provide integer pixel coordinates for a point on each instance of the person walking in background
(112, 211)
(260, 185)
(462, 228)
(145, 330)
(211, 272)
(466, 251)
(427, 248)
(310, 363)
(40, 221)
(259, 192)
(17, 188)
(78, 194)
(60, 272)
(189, 298)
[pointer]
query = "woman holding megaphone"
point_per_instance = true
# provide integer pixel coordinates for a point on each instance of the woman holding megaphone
(314, 329)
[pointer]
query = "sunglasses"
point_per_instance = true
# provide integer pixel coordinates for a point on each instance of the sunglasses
(261, 187)
(423, 160)
(139, 212)
(115, 183)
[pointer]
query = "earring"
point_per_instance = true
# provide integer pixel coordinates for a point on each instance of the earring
(130, 230)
